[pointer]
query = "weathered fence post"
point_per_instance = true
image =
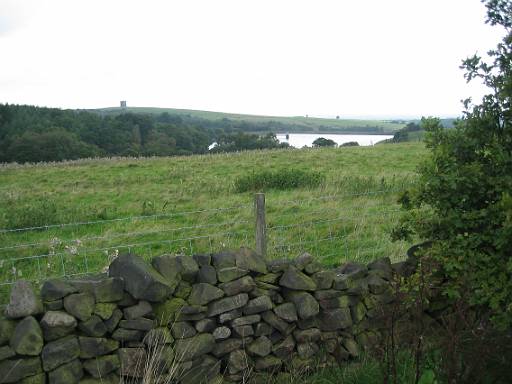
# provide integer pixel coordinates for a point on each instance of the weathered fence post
(261, 236)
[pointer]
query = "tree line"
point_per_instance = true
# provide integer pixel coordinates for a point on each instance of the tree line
(33, 134)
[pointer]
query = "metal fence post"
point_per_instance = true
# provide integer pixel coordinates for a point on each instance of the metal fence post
(261, 236)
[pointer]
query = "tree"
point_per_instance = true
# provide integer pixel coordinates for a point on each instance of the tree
(54, 145)
(246, 141)
(463, 202)
(323, 142)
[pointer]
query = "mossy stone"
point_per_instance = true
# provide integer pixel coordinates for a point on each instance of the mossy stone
(231, 273)
(246, 258)
(324, 279)
(158, 336)
(261, 347)
(194, 347)
(93, 327)
(55, 289)
(15, 370)
(334, 319)
(286, 311)
(59, 352)
(57, 324)
(80, 305)
(6, 352)
(305, 303)
(207, 274)
(227, 304)
(295, 279)
(104, 310)
(358, 312)
(141, 280)
(167, 311)
(7, 327)
(69, 373)
(268, 363)
(204, 293)
(23, 301)
(183, 290)
(112, 322)
(239, 361)
(91, 347)
(101, 366)
(244, 284)
(36, 379)
(109, 379)
(27, 338)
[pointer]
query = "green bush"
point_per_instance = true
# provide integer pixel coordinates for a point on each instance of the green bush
(281, 179)
(323, 142)
(463, 202)
(350, 144)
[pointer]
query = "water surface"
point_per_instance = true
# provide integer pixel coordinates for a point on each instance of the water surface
(299, 140)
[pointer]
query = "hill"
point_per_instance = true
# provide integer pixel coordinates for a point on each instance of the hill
(277, 124)
(413, 132)
(32, 134)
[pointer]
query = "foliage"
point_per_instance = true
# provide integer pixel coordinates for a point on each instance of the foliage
(245, 141)
(323, 142)
(350, 144)
(32, 134)
(282, 179)
(464, 191)
(403, 134)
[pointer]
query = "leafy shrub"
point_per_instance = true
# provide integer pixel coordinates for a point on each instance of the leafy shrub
(323, 142)
(241, 141)
(350, 144)
(281, 179)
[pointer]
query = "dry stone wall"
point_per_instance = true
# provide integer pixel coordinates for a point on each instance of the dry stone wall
(205, 318)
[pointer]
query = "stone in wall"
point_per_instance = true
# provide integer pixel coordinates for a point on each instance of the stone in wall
(215, 317)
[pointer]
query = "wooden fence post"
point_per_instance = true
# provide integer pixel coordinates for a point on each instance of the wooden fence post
(261, 226)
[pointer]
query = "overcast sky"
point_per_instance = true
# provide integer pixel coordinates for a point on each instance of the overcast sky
(276, 57)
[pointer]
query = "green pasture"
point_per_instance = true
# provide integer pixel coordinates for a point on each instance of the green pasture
(80, 214)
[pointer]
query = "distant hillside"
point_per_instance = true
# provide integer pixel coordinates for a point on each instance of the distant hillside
(33, 134)
(413, 132)
(258, 124)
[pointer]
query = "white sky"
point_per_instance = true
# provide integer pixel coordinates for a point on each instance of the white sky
(277, 57)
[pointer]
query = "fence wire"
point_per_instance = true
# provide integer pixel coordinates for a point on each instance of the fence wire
(334, 228)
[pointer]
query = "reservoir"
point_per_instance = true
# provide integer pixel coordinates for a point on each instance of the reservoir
(299, 140)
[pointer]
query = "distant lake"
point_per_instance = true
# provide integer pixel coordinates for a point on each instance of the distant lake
(299, 140)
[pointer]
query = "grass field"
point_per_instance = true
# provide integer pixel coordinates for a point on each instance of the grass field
(294, 123)
(189, 204)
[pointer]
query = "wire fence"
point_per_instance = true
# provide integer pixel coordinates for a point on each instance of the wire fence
(335, 228)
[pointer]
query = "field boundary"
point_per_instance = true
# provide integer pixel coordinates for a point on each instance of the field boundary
(328, 227)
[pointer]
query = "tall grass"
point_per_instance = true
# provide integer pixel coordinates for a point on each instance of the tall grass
(365, 370)
(282, 179)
